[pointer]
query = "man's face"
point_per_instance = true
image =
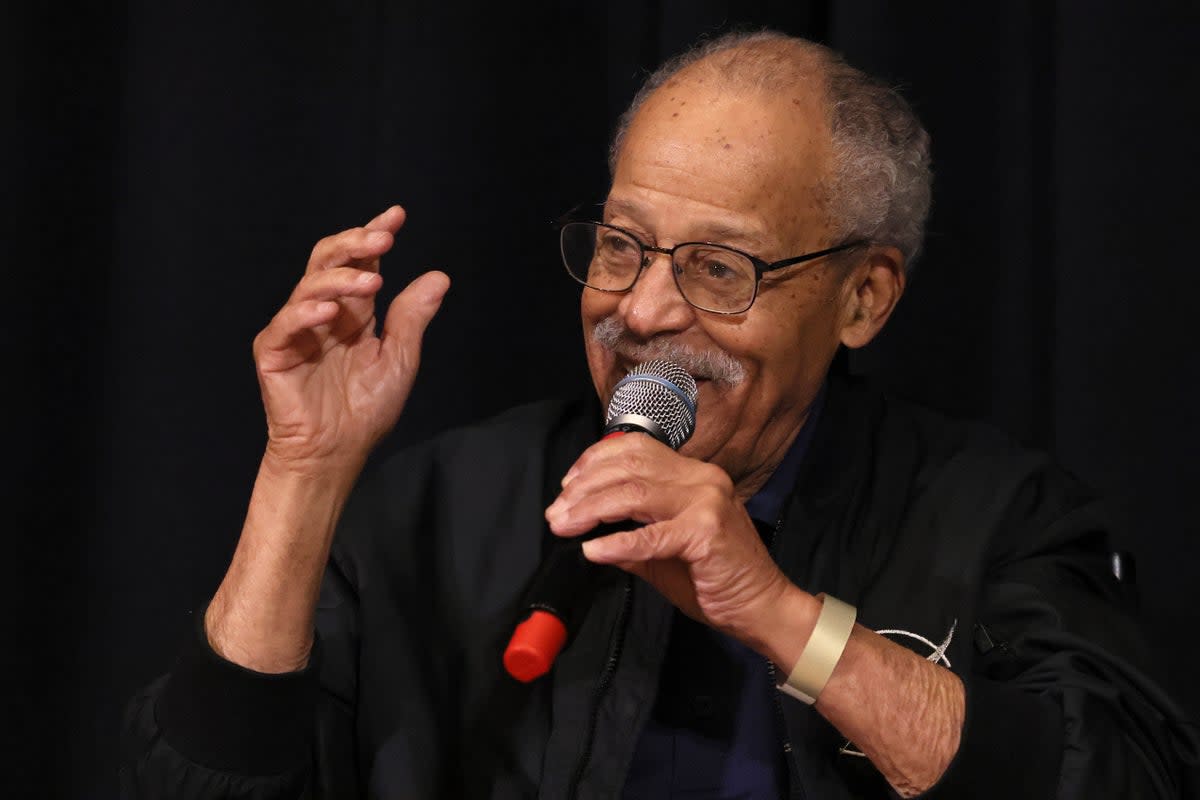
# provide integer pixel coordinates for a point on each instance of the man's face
(704, 163)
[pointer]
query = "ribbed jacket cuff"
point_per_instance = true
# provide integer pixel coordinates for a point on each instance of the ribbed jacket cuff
(230, 718)
(1011, 745)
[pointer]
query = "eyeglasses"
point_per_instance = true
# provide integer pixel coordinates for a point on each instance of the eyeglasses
(711, 277)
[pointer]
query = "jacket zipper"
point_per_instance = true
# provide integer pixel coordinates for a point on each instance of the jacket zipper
(789, 755)
(606, 676)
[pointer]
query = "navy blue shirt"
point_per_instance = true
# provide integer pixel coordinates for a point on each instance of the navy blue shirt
(713, 733)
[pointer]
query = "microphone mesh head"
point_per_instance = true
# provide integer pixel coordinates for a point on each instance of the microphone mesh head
(661, 391)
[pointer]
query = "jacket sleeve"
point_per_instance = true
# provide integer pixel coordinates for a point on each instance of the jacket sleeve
(1059, 700)
(211, 728)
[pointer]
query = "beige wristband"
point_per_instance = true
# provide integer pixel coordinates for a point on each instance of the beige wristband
(824, 649)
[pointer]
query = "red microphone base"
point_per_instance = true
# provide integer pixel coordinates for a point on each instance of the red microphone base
(534, 646)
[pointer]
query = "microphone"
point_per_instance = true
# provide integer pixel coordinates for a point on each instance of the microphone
(658, 398)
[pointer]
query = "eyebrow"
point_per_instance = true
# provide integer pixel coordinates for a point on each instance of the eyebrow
(717, 232)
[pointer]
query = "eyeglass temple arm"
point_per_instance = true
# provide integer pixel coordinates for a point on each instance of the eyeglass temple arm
(787, 262)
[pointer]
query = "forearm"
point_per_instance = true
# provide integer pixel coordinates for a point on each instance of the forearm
(261, 616)
(903, 712)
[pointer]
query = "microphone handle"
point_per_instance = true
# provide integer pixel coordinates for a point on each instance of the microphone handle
(558, 595)
(555, 604)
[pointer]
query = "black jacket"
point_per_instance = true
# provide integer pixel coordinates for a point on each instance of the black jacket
(925, 524)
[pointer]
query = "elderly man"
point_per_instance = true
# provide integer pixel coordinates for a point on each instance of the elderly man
(766, 200)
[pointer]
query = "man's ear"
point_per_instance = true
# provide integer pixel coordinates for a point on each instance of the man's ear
(873, 288)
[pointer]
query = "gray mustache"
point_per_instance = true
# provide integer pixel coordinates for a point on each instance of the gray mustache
(714, 365)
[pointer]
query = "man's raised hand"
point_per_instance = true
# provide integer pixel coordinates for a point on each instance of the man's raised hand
(331, 386)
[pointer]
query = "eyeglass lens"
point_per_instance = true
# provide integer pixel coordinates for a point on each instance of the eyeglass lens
(710, 277)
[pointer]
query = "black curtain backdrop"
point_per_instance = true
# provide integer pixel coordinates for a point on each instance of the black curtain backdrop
(168, 170)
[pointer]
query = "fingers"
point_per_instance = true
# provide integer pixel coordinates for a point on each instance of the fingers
(358, 247)
(317, 300)
(336, 283)
(412, 310)
(652, 542)
(390, 220)
(608, 494)
(290, 339)
(631, 477)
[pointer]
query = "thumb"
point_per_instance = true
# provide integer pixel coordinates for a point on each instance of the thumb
(411, 311)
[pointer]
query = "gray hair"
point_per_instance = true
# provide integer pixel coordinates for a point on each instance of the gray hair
(880, 187)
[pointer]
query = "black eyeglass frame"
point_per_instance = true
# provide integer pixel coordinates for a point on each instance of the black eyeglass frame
(760, 266)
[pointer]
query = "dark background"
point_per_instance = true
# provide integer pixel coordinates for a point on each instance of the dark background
(167, 171)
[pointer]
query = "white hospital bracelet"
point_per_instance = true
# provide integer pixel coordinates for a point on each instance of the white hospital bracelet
(822, 651)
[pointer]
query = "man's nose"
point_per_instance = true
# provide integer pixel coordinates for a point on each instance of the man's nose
(654, 304)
